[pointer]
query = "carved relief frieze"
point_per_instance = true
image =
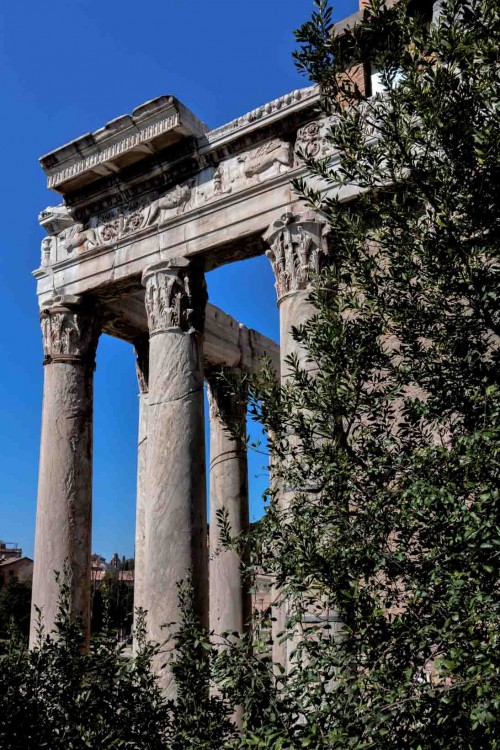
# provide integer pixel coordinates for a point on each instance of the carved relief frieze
(69, 333)
(246, 169)
(111, 226)
(173, 203)
(309, 139)
(220, 182)
(48, 244)
(297, 250)
(275, 155)
(312, 140)
(79, 239)
(117, 223)
(175, 297)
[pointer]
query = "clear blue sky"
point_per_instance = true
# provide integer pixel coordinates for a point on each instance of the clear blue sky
(67, 67)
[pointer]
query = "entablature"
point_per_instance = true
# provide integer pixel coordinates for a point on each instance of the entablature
(210, 195)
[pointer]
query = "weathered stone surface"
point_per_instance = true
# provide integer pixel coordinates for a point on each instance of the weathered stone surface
(210, 193)
(297, 249)
(229, 596)
(63, 527)
(142, 191)
(175, 514)
(142, 368)
(121, 142)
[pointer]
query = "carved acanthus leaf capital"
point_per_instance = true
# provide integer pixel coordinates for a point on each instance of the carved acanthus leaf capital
(70, 331)
(176, 296)
(297, 251)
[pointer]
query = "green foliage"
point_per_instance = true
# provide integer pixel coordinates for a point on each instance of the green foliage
(386, 552)
(58, 696)
(114, 597)
(15, 605)
(199, 719)
(390, 440)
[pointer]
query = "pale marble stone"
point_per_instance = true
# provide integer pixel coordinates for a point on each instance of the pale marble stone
(229, 596)
(175, 518)
(64, 508)
(297, 249)
(140, 192)
(142, 368)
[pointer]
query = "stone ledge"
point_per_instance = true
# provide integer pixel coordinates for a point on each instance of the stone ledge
(259, 117)
(122, 141)
(150, 128)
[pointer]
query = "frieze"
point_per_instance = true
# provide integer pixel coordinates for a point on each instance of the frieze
(244, 170)
(312, 140)
(79, 239)
(116, 224)
(275, 154)
(47, 255)
(111, 226)
(173, 203)
(219, 182)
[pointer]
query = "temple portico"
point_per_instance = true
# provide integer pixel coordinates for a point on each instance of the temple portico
(151, 202)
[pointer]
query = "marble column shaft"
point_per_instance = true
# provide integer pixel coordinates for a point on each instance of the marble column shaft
(64, 507)
(297, 249)
(175, 514)
(142, 367)
(230, 602)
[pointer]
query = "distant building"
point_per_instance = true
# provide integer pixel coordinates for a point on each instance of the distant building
(13, 566)
(99, 575)
(102, 569)
(9, 551)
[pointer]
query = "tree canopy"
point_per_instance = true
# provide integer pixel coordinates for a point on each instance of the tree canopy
(386, 553)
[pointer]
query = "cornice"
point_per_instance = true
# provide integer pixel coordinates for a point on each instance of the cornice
(262, 116)
(122, 141)
(150, 128)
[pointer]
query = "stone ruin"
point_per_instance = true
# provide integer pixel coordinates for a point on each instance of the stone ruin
(151, 202)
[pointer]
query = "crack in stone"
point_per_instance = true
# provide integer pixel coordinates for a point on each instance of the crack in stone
(177, 398)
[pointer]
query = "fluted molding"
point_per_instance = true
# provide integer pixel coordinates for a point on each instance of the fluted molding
(175, 297)
(70, 331)
(297, 250)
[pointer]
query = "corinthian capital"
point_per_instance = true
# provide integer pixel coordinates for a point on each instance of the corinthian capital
(176, 297)
(297, 249)
(70, 331)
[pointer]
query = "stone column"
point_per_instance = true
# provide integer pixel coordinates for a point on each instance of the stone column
(230, 603)
(64, 509)
(141, 346)
(297, 248)
(175, 518)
